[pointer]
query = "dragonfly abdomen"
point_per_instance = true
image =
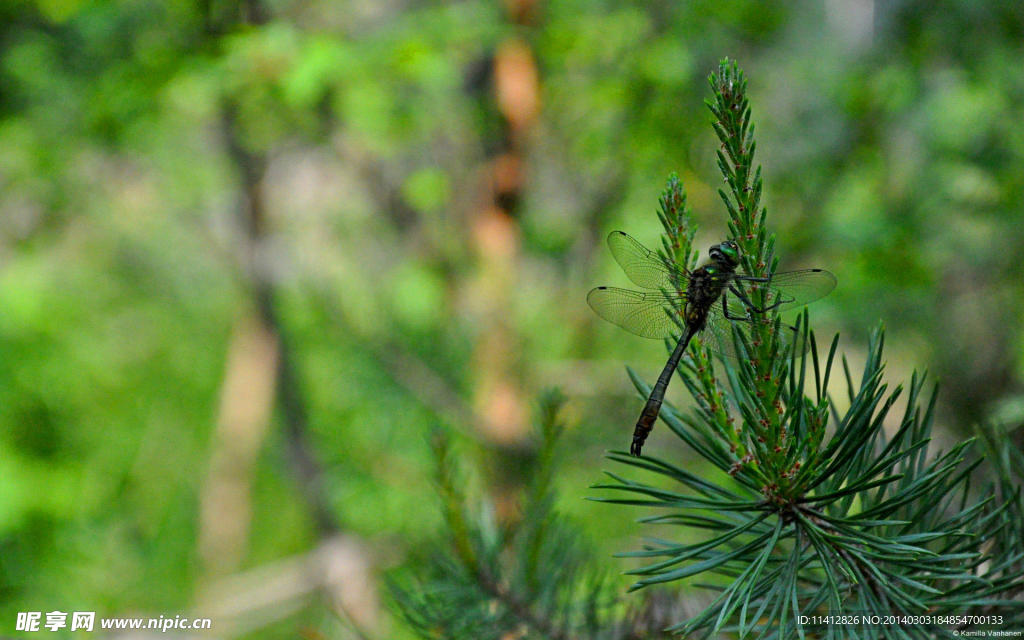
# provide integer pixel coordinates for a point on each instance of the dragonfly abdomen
(645, 423)
(705, 286)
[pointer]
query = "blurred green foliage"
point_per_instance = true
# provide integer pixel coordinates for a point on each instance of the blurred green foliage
(889, 135)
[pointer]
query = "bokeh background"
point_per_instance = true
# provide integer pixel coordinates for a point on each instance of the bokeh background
(252, 253)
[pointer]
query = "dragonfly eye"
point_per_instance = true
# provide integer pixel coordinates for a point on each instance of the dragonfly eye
(727, 251)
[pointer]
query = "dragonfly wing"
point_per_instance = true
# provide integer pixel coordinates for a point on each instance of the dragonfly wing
(718, 335)
(641, 265)
(788, 289)
(643, 314)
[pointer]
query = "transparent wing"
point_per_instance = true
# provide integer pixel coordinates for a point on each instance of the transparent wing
(785, 290)
(788, 289)
(643, 314)
(642, 265)
(717, 334)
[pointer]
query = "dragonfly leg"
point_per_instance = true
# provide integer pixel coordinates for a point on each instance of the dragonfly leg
(750, 305)
(725, 308)
(790, 332)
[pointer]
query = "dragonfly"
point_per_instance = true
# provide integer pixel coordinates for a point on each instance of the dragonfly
(680, 302)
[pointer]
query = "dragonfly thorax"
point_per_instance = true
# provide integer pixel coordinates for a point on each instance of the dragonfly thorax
(704, 289)
(707, 283)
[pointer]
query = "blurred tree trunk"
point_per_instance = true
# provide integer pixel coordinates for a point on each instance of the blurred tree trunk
(261, 369)
(242, 423)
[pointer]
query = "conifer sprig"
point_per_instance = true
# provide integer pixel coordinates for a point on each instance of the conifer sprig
(815, 512)
(533, 579)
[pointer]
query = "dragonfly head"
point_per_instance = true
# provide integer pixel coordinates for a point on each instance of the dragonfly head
(726, 253)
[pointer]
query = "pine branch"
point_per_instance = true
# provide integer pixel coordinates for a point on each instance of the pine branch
(816, 512)
(536, 580)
